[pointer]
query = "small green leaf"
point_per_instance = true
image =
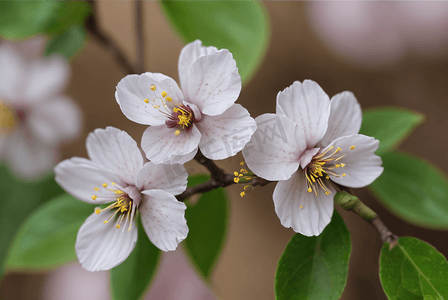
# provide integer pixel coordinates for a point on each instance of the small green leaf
(390, 125)
(315, 267)
(26, 18)
(18, 200)
(412, 270)
(69, 13)
(207, 221)
(413, 189)
(130, 279)
(47, 238)
(68, 43)
(240, 26)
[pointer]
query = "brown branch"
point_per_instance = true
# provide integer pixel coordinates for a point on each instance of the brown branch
(216, 172)
(140, 53)
(351, 203)
(108, 42)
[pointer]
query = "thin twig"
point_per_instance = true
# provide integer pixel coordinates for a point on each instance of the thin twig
(352, 203)
(139, 36)
(107, 42)
(216, 172)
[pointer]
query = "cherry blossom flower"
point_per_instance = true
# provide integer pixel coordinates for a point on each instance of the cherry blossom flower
(35, 119)
(307, 146)
(116, 174)
(202, 115)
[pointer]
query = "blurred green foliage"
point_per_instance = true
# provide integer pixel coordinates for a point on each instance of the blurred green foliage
(242, 27)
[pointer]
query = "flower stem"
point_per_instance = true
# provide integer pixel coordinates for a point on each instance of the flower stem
(352, 203)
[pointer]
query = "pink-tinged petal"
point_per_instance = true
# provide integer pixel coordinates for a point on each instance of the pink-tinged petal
(307, 105)
(27, 156)
(82, 179)
(300, 210)
(29, 49)
(176, 279)
(275, 148)
(307, 156)
(115, 150)
(163, 218)
(56, 121)
(100, 246)
(214, 83)
(46, 78)
(361, 165)
(188, 56)
(132, 91)
(345, 117)
(161, 145)
(225, 135)
(169, 178)
(12, 74)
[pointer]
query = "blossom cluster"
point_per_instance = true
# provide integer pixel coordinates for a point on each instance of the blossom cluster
(311, 146)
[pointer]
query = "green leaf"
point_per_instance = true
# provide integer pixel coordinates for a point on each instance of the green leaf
(69, 13)
(240, 26)
(207, 221)
(68, 43)
(315, 267)
(130, 279)
(47, 238)
(26, 18)
(18, 200)
(412, 270)
(390, 125)
(19, 19)
(414, 189)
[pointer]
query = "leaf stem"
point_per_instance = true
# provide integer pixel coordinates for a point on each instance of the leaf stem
(352, 203)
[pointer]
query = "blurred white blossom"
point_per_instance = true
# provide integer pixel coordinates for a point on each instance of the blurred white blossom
(35, 117)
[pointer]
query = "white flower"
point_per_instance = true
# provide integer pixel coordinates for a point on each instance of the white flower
(307, 145)
(34, 117)
(202, 114)
(116, 173)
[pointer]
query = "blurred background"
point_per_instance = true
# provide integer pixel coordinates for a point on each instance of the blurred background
(386, 53)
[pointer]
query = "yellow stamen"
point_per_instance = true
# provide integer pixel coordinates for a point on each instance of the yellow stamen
(236, 179)
(146, 100)
(153, 87)
(177, 132)
(352, 147)
(97, 189)
(343, 174)
(235, 173)
(301, 206)
(242, 194)
(242, 163)
(104, 184)
(342, 165)
(94, 197)
(169, 99)
(309, 190)
(97, 210)
(164, 94)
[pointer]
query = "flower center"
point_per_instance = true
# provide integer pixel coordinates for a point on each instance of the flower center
(321, 167)
(180, 116)
(8, 118)
(125, 207)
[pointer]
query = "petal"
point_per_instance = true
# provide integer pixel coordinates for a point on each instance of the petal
(189, 54)
(345, 117)
(115, 150)
(274, 149)
(134, 89)
(362, 165)
(225, 135)
(100, 246)
(161, 145)
(79, 177)
(163, 218)
(304, 212)
(214, 83)
(29, 49)
(46, 78)
(56, 121)
(307, 105)
(169, 178)
(27, 156)
(12, 73)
